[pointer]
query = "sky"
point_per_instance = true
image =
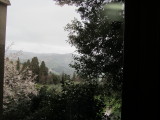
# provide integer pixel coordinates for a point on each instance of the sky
(38, 26)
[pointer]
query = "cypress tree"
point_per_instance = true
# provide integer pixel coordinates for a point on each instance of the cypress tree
(34, 66)
(43, 72)
(18, 64)
(28, 63)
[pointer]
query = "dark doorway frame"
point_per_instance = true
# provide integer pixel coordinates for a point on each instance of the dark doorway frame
(141, 60)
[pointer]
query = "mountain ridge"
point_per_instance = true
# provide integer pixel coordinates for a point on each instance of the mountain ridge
(57, 63)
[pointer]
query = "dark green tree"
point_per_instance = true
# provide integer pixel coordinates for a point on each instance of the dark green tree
(80, 2)
(75, 102)
(65, 79)
(26, 65)
(34, 66)
(43, 73)
(43, 69)
(99, 42)
(55, 78)
(18, 64)
(98, 38)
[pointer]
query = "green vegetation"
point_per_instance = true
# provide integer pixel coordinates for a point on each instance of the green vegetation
(95, 88)
(98, 38)
(56, 63)
(72, 102)
(18, 65)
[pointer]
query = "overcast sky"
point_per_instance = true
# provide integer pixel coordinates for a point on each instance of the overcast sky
(38, 26)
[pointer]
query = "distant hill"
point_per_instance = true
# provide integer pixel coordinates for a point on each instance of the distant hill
(57, 63)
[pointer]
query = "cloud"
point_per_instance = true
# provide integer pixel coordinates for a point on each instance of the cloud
(39, 23)
(41, 48)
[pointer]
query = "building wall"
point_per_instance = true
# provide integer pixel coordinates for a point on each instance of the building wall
(3, 11)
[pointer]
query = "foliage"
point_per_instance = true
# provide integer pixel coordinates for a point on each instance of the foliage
(17, 85)
(99, 42)
(100, 45)
(76, 78)
(55, 102)
(18, 111)
(18, 65)
(43, 73)
(34, 66)
(56, 78)
(78, 2)
(74, 102)
(26, 65)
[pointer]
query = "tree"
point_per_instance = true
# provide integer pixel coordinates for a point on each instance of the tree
(18, 64)
(26, 65)
(76, 78)
(43, 73)
(55, 78)
(74, 102)
(99, 43)
(17, 85)
(34, 66)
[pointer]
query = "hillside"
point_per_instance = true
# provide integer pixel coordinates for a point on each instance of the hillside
(57, 63)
